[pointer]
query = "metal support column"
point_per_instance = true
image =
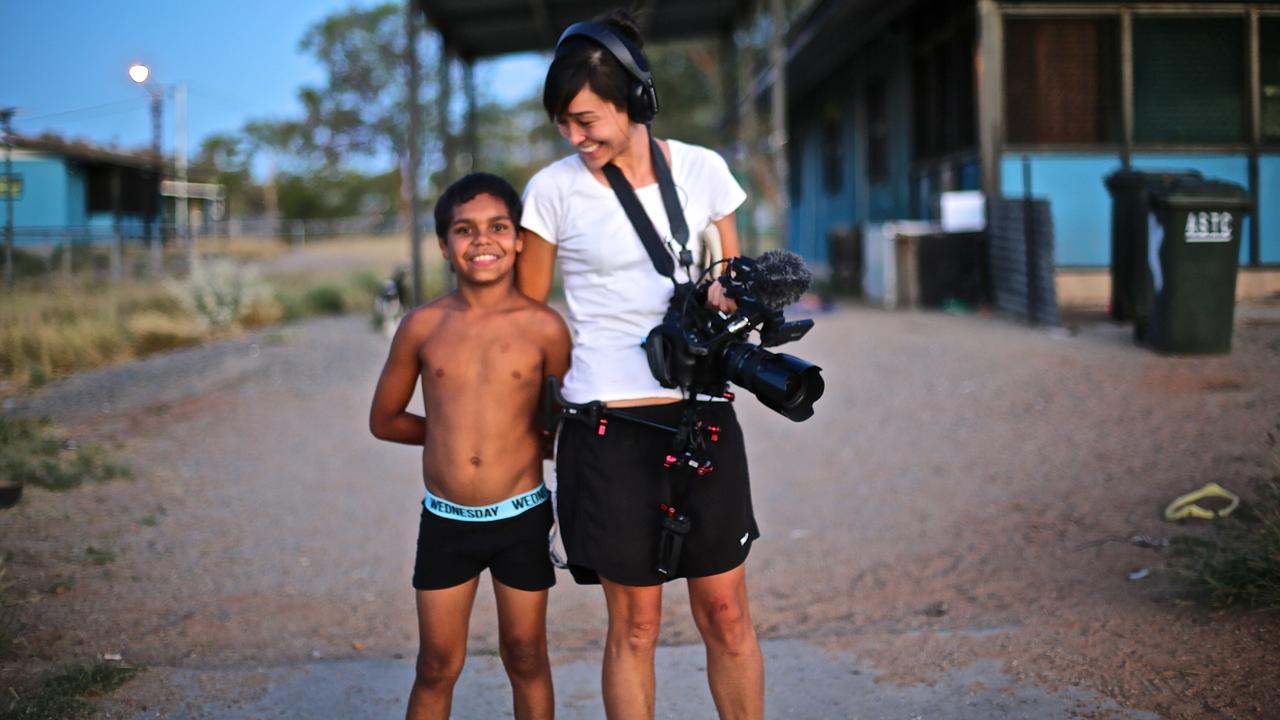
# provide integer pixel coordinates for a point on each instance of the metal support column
(778, 115)
(413, 153)
(990, 78)
(1126, 87)
(730, 121)
(1254, 60)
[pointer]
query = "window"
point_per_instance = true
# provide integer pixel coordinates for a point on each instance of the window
(1269, 47)
(1188, 80)
(1062, 81)
(832, 149)
(877, 132)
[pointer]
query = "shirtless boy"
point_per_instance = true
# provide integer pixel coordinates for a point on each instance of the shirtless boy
(481, 352)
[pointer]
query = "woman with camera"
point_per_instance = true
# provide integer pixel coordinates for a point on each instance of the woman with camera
(619, 507)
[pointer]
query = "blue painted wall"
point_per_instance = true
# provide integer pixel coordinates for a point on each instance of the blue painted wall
(1078, 201)
(1232, 168)
(77, 196)
(1269, 208)
(815, 211)
(44, 192)
(1081, 205)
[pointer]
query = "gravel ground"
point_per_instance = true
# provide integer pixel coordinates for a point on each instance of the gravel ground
(922, 530)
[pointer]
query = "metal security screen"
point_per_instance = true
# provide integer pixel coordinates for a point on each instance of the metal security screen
(1269, 46)
(1189, 80)
(1062, 81)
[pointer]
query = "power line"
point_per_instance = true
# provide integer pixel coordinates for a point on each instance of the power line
(79, 110)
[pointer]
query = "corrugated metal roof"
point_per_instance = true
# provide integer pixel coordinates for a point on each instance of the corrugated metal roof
(485, 28)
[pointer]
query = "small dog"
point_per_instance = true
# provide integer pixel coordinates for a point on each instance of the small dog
(387, 307)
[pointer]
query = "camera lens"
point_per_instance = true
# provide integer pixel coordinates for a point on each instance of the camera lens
(784, 383)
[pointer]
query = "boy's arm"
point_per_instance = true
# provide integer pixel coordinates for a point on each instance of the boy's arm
(555, 353)
(387, 418)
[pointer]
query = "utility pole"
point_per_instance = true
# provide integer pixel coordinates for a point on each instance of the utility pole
(153, 217)
(413, 152)
(180, 159)
(6, 115)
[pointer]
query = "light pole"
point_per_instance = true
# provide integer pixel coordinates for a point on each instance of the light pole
(139, 74)
(6, 115)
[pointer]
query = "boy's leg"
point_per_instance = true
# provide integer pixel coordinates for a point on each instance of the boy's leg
(635, 616)
(443, 616)
(522, 644)
(735, 666)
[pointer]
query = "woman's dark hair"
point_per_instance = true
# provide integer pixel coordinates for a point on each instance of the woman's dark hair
(466, 189)
(580, 63)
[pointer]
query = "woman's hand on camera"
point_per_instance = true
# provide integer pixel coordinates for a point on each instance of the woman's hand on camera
(718, 300)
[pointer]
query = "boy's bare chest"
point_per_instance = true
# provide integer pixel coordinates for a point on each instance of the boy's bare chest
(484, 355)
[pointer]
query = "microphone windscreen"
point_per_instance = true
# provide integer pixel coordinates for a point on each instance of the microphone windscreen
(781, 278)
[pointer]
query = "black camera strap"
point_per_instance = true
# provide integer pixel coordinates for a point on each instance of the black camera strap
(662, 261)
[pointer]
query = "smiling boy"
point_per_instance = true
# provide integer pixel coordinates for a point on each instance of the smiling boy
(481, 353)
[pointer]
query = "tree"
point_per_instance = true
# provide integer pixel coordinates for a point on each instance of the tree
(224, 158)
(361, 111)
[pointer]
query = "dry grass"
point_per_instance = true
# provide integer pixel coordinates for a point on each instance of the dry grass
(52, 333)
(57, 328)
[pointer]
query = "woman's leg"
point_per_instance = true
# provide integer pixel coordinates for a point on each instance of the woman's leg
(522, 643)
(635, 615)
(443, 617)
(735, 667)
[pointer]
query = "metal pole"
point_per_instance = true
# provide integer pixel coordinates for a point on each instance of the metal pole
(6, 115)
(778, 115)
(152, 226)
(414, 153)
(180, 160)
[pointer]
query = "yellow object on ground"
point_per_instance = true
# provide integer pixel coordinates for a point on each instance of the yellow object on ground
(1186, 507)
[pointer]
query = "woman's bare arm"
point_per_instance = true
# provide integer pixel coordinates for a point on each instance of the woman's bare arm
(535, 267)
(729, 248)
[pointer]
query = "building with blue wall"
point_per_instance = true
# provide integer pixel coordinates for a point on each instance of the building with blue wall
(90, 193)
(892, 103)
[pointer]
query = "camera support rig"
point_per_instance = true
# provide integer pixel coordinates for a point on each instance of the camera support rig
(689, 438)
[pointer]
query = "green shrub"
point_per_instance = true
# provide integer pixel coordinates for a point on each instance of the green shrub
(32, 455)
(220, 292)
(324, 300)
(62, 697)
(1238, 565)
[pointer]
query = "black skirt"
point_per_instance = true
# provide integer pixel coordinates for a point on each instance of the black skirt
(610, 487)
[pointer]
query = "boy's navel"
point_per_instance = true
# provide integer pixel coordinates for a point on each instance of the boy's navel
(475, 460)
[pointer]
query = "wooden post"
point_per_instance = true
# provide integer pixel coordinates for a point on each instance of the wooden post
(1126, 87)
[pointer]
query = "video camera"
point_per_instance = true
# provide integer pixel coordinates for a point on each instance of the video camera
(701, 350)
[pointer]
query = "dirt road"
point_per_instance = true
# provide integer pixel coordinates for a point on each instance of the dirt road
(919, 556)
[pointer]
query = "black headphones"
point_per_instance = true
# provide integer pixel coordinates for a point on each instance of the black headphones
(642, 96)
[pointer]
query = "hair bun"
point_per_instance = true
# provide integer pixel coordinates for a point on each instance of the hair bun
(623, 23)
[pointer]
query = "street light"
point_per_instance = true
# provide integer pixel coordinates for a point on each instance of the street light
(139, 74)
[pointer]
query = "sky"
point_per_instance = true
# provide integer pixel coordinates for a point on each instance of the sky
(64, 64)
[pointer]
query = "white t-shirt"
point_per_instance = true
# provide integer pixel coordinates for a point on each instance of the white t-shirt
(615, 295)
